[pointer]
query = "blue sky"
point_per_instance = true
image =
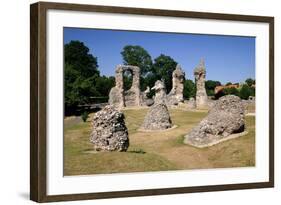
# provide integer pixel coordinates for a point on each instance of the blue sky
(227, 58)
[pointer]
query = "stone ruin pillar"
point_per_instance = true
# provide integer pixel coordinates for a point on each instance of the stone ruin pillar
(200, 77)
(160, 92)
(158, 117)
(135, 89)
(176, 94)
(116, 94)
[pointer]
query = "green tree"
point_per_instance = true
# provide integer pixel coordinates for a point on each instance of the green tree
(128, 81)
(189, 89)
(252, 91)
(148, 80)
(245, 92)
(228, 83)
(163, 68)
(231, 91)
(210, 87)
(137, 56)
(81, 72)
(77, 55)
(103, 85)
(85, 116)
(250, 82)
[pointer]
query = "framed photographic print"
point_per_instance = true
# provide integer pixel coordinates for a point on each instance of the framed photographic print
(135, 102)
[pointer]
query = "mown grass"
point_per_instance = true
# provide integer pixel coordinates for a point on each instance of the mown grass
(155, 151)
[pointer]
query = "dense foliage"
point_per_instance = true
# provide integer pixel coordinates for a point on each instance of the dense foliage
(163, 68)
(189, 89)
(85, 116)
(250, 82)
(231, 91)
(210, 87)
(138, 56)
(246, 91)
(82, 78)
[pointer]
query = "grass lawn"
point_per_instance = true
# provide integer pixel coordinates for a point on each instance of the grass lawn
(155, 151)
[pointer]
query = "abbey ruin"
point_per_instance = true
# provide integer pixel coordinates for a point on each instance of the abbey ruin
(225, 117)
(120, 98)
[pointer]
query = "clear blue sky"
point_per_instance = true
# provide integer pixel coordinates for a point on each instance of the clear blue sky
(227, 58)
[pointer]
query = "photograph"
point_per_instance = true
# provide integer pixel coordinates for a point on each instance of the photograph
(147, 101)
(129, 101)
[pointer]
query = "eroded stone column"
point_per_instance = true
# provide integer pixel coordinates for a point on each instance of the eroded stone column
(160, 92)
(176, 94)
(116, 94)
(158, 117)
(200, 78)
(136, 85)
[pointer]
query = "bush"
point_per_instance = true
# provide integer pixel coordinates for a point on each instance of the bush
(231, 91)
(210, 92)
(210, 86)
(189, 89)
(250, 82)
(85, 116)
(245, 92)
(252, 91)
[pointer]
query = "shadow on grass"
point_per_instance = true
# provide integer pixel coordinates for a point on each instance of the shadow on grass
(135, 151)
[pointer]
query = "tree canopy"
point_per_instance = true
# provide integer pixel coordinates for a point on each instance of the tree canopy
(210, 87)
(163, 68)
(77, 55)
(250, 82)
(82, 78)
(137, 56)
(246, 91)
(231, 91)
(160, 69)
(189, 89)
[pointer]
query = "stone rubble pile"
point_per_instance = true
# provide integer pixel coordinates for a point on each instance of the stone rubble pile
(109, 132)
(225, 118)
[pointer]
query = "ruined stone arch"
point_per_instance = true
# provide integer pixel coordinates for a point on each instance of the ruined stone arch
(118, 96)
